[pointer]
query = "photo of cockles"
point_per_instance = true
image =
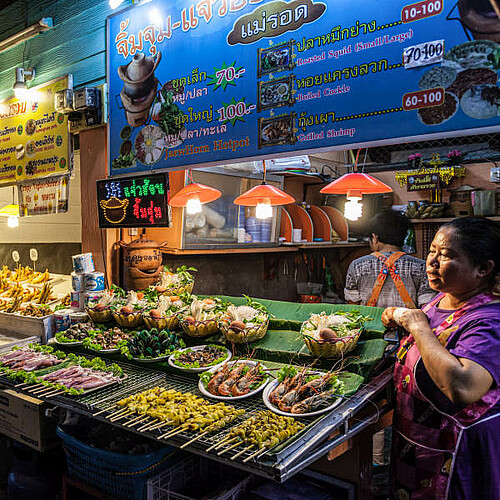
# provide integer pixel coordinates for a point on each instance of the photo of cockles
(275, 93)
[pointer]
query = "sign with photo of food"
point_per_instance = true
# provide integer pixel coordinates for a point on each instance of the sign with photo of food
(197, 83)
(134, 201)
(44, 196)
(34, 138)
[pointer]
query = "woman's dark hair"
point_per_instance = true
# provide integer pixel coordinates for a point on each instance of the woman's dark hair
(390, 227)
(479, 239)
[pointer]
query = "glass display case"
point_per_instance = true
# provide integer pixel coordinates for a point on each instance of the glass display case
(221, 223)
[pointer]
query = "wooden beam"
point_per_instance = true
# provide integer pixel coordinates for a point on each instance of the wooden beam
(93, 166)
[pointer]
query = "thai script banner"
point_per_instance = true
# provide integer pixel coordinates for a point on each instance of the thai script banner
(134, 201)
(34, 138)
(198, 82)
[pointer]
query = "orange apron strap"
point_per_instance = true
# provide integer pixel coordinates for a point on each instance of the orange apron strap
(379, 282)
(388, 267)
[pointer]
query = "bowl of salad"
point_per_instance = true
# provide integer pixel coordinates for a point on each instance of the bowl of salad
(244, 324)
(201, 317)
(175, 283)
(333, 335)
(164, 313)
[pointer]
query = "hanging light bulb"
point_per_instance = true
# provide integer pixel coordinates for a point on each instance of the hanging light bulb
(13, 221)
(264, 210)
(264, 197)
(353, 208)
(193, 195)
(193, 206)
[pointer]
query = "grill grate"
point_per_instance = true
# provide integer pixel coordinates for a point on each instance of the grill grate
(102, 402)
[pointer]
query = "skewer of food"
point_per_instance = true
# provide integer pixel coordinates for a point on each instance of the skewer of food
(262, 431)
(332, 335)
(298, 391)
(236, 379)
(160, 407)
(247, 323)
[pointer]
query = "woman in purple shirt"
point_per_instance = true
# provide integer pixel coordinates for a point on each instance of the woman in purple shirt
(446, 441)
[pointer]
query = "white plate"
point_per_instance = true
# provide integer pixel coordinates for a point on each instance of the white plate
(104, 351)
(151, 360)
(203, 368)
(274, 384)
(205, 392)
(78, 342)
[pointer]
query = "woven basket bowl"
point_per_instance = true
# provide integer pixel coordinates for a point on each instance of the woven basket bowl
(99, 316)
(243, 336)
(331, 348)
(128, 320)
(171, 323)
(179, 290)
(200, 329)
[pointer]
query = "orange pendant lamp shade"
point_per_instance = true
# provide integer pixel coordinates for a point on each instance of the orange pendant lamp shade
(264, 194)
(204, 194)
(356, 183)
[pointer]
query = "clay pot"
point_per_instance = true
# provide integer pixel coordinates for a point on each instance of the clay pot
(479, 17)
(138, 75)
(142, 261)
(137, 110)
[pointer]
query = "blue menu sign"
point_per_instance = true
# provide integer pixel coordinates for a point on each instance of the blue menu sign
(198, 82)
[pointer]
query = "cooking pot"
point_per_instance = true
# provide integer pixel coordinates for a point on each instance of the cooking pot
(480, 19)
(142, 261)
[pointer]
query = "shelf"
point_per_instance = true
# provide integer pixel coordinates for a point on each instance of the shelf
(307, 178)
(440, 220)
(217, 251)
(287, 247)
(340, 244)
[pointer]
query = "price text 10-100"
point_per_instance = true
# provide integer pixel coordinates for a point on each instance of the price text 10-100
(421, 10)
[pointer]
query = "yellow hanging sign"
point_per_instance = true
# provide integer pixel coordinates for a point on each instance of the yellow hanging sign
(34, 137)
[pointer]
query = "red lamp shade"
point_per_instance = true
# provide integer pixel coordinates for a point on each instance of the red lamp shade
(264, 193)
(356, 182)
(204, 193)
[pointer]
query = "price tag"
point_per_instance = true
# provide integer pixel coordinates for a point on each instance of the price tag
(33, 254)
(421, 10)
(15, 256)
(423, 99)
(423, 54)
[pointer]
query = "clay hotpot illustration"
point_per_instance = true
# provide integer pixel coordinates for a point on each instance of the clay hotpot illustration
(480, 18)
(139, 87)
(114, 209)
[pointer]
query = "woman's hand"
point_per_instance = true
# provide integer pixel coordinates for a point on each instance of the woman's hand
(388, 317)
(414, 321)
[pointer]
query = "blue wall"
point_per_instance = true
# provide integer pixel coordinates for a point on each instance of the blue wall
(76, 44)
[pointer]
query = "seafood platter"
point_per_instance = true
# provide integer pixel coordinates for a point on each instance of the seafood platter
(207, 391)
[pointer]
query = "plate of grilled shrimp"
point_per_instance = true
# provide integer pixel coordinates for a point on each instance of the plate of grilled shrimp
(237, 379)
(300, 392)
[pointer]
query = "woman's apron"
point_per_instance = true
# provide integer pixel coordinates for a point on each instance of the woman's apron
(389, 269)
(425, 439)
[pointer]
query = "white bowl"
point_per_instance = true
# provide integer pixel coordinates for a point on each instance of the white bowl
(205, 392)
(171, 359)
(270, 387)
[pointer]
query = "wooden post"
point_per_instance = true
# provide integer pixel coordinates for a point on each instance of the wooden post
(93, 166)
